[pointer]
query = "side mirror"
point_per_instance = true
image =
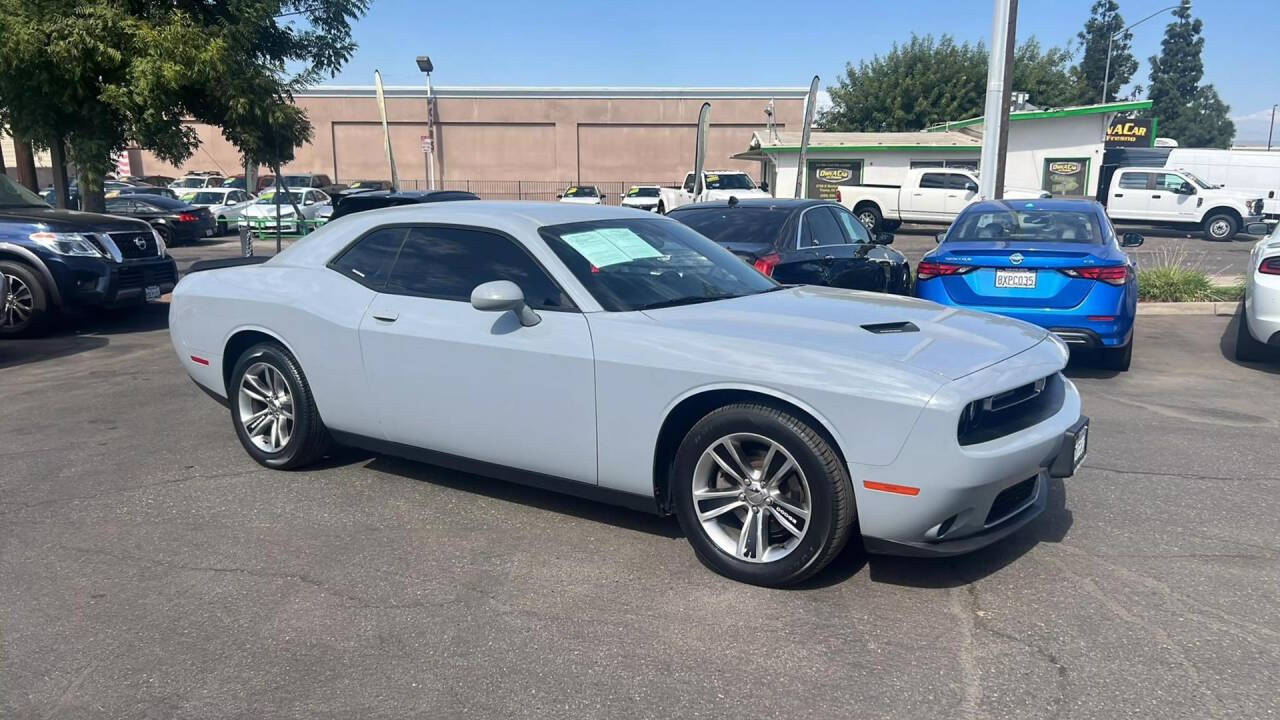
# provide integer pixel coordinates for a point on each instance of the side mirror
(764, 186)
(940, 237)
(1130, 240)
(971, 187)
(1258, 228)
(883, 238)
(501, 296)
(558, 196)
(1186, 189)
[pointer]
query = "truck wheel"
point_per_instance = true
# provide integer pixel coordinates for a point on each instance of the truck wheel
(1221, 226)
(25, 311)
(869, 215)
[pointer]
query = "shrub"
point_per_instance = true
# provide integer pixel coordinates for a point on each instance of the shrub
(1168, 277)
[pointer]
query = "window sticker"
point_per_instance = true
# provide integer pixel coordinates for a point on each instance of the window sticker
(610, 246)
(631, 244)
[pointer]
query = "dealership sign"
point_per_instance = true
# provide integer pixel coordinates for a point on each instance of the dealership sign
(1131, 133)
(826, 176)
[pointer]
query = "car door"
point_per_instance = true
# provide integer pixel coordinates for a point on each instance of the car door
(1130, 196)
(860, 264)
(480, 385)
(961, 191)
(841, 262)
(1167, 203)
(928, 200)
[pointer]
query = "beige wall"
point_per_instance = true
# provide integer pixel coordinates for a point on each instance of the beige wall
(584, 135)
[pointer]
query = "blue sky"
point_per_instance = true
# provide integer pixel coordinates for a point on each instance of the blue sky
(656, 42)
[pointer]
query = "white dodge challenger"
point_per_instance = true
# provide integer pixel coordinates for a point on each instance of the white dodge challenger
(626, 358)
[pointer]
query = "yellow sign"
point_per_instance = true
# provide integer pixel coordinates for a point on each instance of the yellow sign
(1064, 168)
(834, 174)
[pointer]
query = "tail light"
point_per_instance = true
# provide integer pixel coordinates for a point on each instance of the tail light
(186, 217)
(1111, 275)
(766, 264)
(1270, 266)
(839, 196)
(927, 269)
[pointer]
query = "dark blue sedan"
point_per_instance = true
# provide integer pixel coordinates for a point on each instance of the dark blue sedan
(1054, 263)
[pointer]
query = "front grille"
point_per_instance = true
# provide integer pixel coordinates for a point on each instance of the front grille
(141, 276)
(1008, 412)
(134, 245)
(1011, 500)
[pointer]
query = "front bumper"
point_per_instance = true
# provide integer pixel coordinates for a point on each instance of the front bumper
(93, 282)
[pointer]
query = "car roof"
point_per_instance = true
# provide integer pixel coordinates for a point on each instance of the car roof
(778, 204)
(163, 201)
(1060, 204)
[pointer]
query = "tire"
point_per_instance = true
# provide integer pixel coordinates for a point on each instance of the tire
(1117, 359)
(27, 311)
(870, 217)
(222, 226)
(819, 478)
(165, 234)
(270, 365)
(1221, 226)
(1248, 349)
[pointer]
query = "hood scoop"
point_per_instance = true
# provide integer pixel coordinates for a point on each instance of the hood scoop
(891, 328)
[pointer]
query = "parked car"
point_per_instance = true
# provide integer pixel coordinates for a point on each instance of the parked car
(238, 182)
(53, 260)
(1258, 332)
(642, 197)
(175, 220)
(226, 204)
(376, 199)
(1177, 198)
(717, 185)
(581, 195)
(197, 180)
(158, 180)
(929, 196)
(802, 242)
(261, 214)
(142, 190)
(317, 181)
(109, 188)
(1056, 263)
(624, 357)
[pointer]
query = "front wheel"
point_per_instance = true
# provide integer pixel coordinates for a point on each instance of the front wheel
(1221, 226)
(273, 410)
(762, 496)
(222, 226)
(662, 209)
(25, 311)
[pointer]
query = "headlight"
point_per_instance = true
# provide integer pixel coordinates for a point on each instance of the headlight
(161, 250)
(66, 244)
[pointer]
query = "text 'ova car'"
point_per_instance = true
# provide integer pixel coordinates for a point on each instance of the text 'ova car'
(626, 358)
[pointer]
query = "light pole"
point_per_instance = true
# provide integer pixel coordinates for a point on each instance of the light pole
(1106, 76)
(424, 64)
(1271, 128)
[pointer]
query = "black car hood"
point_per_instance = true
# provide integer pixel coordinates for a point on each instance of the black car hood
(69, 220)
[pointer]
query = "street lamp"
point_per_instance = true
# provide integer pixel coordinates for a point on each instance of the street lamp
(429, 147)
(1106, 77)
(1271, 128)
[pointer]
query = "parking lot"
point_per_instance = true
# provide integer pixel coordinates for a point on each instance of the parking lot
(151, 569)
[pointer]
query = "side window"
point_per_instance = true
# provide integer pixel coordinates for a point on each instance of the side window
(117, 206)
(1168, 181)
(688, 183)
(369, 261)
(448, 263)
(855, 231)
(1135, 180)
(956, 181)
(320, 180)
(933, 181)
(819, 227)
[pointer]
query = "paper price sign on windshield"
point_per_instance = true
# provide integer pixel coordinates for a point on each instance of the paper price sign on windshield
(610, 246)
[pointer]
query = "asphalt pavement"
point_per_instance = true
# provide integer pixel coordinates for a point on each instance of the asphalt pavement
(148, 569)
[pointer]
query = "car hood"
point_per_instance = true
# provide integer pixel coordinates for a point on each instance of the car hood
(68, 220)
(947, 341)
(1244, 195)
(268, 210)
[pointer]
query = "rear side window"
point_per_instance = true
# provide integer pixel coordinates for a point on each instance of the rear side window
(1135, 181)
(819, 227)
(734, 225)
(369, 261)
(853, 229)
(448, 263)
(936, 181)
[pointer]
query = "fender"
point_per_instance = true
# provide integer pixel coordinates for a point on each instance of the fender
(37, 264)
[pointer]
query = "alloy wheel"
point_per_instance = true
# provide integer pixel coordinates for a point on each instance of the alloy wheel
(868, 219)
(17, 305)
(266, 407)
(751, 497)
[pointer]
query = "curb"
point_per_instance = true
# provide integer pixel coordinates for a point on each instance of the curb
(1226, 309)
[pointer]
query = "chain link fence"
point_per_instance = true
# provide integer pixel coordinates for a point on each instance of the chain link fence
(534, 189)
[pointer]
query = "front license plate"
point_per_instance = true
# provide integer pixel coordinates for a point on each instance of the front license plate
(208, 233)
(1081, 448)
(1022, 279)
(153, 292)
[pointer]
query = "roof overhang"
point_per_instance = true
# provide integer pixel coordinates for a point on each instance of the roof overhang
(1101, 108)
(459, 91)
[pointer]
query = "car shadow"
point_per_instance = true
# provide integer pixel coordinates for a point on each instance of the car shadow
(1227, 346)
(141, 318)
(1084, 364)
(547, 500)
(14, 353)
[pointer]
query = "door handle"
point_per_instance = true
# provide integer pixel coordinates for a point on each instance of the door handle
(1155, 197)
(386, 316)
(1118, 195)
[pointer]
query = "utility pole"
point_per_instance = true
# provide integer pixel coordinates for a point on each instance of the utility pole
(996, 108)
(1271, 128)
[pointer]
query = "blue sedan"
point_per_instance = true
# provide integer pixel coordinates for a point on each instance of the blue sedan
(1054, 263)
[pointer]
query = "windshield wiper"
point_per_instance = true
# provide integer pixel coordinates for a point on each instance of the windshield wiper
(693, 300)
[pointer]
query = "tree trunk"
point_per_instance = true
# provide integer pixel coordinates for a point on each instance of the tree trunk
(2, 170)
(91, 195)
(25, 160)
(61, 195)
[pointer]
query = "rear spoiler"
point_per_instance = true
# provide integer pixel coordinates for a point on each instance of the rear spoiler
(202, 265)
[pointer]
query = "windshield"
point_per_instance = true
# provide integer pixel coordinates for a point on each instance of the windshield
(581, 192)
(366, 184)
(1196, 179)
(295, 180)
(235, 182)
(734, 224)
(205, 198)
(1044, 225)
(13, 195)
(730, 181)
(269, 198)
(636, 264)
(642, 192)
(190, 182)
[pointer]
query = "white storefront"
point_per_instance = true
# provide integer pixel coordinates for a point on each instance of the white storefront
(1057, 150)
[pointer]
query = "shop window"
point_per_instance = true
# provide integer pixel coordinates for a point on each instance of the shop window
(1066, 176)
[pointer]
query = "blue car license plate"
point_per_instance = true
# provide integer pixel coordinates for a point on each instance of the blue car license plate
(1021, 279)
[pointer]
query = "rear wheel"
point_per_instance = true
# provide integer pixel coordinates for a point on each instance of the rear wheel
(1119, 358)
(273, 410)
(1248, 349)
(25, 310)
(762, 497)
(1221, 226)
(870, 217)
(222, 226)
(165, 234)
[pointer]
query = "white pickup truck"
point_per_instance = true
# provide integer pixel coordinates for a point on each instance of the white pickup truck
(1177, 198)
(719, 184)
(930, 196)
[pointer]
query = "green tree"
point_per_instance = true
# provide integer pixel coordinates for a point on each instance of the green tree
(1104, 22)
(926, 81)
(1191, 113)
(100, 74)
